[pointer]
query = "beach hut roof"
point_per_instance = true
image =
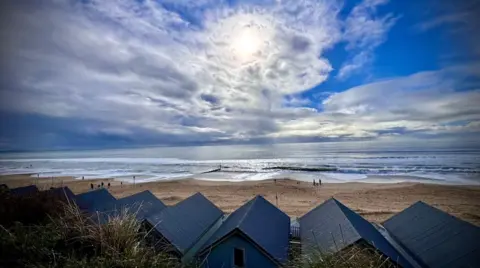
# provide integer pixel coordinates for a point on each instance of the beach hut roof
(331, 227)
(25, 190)
(436, 238)
(94, 200)
(142, 204)
(184, 223)
(62, 192)
(262, 223)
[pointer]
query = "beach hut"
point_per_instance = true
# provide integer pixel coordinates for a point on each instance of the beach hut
(177, 229)
(435, 238)
(332, 227)
(142, 204)
(94, 201)
(63, 193)
(25, 190)
(254, 235)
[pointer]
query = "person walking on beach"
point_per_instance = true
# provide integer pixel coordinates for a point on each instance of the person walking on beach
(320, 182)
(108, 186)
(102, 184)
(91, 186)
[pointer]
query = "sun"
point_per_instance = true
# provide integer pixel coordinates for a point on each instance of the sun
(242, 39)
(247, 42)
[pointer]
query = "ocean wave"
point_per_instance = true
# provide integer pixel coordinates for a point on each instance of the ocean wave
(306, 169)
(452, 168)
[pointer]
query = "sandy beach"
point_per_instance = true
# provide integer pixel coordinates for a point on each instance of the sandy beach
(376, 202)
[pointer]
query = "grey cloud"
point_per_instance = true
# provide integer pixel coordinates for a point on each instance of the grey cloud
(420, 101)
(210, 99)
(134, 71)
(300, 43)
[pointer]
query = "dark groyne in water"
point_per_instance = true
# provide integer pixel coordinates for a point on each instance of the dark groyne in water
(212, 171)
(290, 168)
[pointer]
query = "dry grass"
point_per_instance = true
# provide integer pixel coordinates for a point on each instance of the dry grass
(68, 238)
(41, 231)
(356, 256)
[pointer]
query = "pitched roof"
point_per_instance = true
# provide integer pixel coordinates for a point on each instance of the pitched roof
(183, 224)
(94, 200)
(25, 190)
(142, 204)
(332, 226)
(428, 233)
(62, 192)
(262, 222)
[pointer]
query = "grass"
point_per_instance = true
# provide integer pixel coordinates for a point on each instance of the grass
(351, 257)
(45, 231)
(61, 236)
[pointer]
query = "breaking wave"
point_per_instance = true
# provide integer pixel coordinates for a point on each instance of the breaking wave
(457, 167)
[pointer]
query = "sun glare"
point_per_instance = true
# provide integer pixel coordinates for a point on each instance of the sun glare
(247, 43)
(243, 38)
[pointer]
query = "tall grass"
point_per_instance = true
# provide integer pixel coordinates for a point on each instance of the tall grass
(68, 238)
(44, 231)
(356, 256)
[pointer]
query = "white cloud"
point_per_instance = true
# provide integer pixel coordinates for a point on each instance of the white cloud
(364, 31)
(354, 64)
(141, 65)
(226, 72)
(426, 102)
(455, 18)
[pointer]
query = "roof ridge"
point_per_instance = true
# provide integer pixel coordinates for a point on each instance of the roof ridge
(188, 198)
(436, 209)
(317, 207)
(342, 208)
(247, 211)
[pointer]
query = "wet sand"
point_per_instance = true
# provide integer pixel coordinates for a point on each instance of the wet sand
(375, 201)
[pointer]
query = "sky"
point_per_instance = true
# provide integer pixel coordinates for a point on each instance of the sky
(81, 74)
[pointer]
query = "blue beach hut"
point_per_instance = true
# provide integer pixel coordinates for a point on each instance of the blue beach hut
(24, 191)
(94, 201)
(141, 204)
(176, 229)
(332, 227)
(435, 238)
(254, 235)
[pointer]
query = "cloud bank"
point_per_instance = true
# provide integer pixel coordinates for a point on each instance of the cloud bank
(187, 72)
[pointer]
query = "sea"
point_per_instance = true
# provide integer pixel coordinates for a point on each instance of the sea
(329, 162)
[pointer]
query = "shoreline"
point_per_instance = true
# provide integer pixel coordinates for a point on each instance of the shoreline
(374, 201)
(222, 176)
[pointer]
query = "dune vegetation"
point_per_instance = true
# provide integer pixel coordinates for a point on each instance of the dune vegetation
(41, 230)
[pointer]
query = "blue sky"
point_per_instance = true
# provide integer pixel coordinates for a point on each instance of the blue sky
(119, 73)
